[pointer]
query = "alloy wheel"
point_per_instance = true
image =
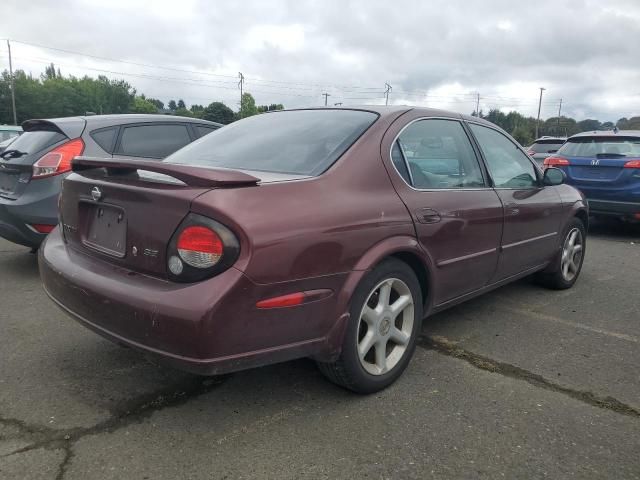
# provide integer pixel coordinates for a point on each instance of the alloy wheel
(571, 254)
(385, 326)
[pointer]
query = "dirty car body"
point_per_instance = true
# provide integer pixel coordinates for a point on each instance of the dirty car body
(304, 205)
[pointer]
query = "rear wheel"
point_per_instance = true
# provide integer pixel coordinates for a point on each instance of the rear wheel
(569, 262)
(386, 314)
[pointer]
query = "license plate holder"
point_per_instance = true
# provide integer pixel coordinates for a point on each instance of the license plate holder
(107, 231)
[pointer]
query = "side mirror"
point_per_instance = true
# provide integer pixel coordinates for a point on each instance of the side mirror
(553, 176)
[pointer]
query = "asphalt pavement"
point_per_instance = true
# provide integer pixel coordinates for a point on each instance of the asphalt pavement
(520, 383)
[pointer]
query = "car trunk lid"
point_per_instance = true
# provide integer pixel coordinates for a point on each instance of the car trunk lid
(599, 170)
(126, 211)
(39, 137)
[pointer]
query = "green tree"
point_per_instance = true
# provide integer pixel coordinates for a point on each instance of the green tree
(523, 135)
(197, 111)
(142, 105)
(172, 105)
(181, 104)
(270, 108)
(159, 104)
(183, 112)
(218, 112)
(632, 123)
(589, 125)
(247, 106)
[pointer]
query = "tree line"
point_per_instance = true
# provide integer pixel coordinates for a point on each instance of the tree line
(523, 129)
(53, 95)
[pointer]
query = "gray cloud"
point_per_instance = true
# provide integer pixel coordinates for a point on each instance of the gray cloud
(433, 52)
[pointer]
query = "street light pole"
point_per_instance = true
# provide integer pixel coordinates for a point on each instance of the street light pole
(542, 89)
(13, 86)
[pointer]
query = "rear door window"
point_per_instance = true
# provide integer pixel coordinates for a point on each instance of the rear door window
(105, 138)
(602, 147)
(153, 140)
(202, 130)
(439, 155)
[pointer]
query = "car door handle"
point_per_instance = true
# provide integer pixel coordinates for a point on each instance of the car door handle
(428, 215)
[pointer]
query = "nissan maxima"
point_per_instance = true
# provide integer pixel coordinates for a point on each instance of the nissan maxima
(322, 233)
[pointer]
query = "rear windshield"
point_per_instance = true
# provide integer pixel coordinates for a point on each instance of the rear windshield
(301, 142)
(545, 147)
(35, 141)
(617, 147)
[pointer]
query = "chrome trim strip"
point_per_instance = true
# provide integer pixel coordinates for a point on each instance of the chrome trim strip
(529, 240)
(464, 257)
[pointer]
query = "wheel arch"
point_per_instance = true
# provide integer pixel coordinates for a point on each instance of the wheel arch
(403, 248)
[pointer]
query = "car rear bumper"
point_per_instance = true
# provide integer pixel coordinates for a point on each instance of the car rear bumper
(15, 227)
(37, 205)
(210, 327)
(615, 208)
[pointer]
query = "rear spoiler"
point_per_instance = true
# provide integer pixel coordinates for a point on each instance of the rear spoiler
(188, 174)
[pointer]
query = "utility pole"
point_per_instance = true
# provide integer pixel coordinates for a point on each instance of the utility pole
(13, 86)
(326, 97)
(559, 111)
(240, 85)
(387, 90)
(478, 105)
(542, 89)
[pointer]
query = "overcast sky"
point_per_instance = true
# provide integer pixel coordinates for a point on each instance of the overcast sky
(435, 53)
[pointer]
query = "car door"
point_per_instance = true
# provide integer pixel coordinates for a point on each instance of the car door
(152, 140)
(532, 212)
(457, 216)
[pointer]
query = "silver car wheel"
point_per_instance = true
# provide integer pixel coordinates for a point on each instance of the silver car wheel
(386, 326)
(571, 254)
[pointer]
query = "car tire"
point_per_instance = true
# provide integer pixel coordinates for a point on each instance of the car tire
(568, 263)
(375, 323)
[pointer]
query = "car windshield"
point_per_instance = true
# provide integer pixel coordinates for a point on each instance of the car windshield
(601, 147)
(300, 142)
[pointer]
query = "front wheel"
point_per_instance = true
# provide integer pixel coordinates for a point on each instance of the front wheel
(386, 314)
(569, 262)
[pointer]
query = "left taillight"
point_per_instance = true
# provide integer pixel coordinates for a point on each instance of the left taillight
(58, 160)
(200, 248)
(555, 162)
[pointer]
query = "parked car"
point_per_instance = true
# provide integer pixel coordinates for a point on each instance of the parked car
(319, 232)
(33, 167)
(9, 131)
(544, 147)
(605, 167)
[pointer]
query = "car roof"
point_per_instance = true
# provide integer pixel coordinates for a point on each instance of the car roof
(73, 127)
(394, 110)
(608, 133)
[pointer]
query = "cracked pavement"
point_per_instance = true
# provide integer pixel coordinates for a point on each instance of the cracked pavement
(520, 383)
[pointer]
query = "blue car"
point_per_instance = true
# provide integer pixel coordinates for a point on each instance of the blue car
(605, 166)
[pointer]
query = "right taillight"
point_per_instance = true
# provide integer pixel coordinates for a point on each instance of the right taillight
(632, 164)
(58, 160)
(200, 248)
(555, 162)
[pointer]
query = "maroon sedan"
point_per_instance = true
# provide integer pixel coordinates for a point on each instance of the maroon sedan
(322, 233)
